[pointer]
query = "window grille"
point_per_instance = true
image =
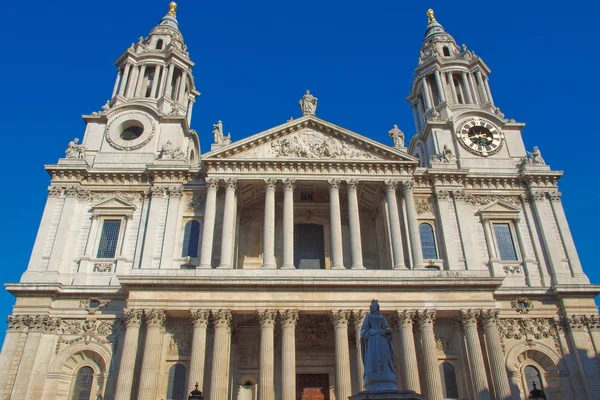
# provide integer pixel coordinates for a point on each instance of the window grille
(306, 196)
(449, 376)
(191, 237)
(427, 242)
(506, 246)
(83, 384)
(176, 389)
(109, 238)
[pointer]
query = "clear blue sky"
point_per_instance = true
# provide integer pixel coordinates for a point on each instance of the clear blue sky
(254, 59)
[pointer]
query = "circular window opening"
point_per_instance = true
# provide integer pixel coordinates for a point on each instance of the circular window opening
(131, 130)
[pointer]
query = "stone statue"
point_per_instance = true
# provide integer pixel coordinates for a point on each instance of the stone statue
(75, 150)
(447, 155)
(170, 152)
(308, 104)
(218, 134)
(377, 350)
(397, 136)
(535, 157)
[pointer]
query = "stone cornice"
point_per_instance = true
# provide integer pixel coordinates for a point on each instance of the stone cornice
(64, 291)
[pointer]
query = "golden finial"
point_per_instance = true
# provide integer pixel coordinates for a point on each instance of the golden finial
(173, 8)
(430, 15)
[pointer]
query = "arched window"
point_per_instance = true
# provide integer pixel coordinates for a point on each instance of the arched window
(532, 375)
(159, 44)
(449, 378)
(176, 389)
(192, 157)
(446, 51)
(83, 384)
(427, 242)
(191, 236)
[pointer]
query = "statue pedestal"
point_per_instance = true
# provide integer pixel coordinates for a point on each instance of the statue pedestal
(387, 395)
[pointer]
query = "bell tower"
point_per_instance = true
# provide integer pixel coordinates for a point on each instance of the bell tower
(149, 114)
(457, 123)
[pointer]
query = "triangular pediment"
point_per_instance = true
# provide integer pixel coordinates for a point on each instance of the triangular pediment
(500, 208)
(308, 138)
(114, 204)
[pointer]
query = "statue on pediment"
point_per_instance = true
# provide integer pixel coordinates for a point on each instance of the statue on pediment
(75, 150)
(397, 137)
(535, 157)
(218, 135)
(308, 104)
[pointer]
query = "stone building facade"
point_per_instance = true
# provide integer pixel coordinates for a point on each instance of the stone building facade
(249, 269)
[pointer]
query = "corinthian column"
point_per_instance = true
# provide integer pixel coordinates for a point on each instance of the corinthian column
(359, 318)
(133, 321)
(198, 359)
(335, 217)
(343, 385)
(288, 223)
(269, 229)
(289, 319)
(494, 347)
(408, 356)
(266, 383)
(219, 380)
(16, 325)
(208, 230)
(228, 223)
(354, 216)
(155, 320)
(475, 356)
(392, 202)
(433, 386)
(413, 224)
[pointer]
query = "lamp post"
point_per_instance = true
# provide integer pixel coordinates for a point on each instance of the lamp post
(536, 394)
(197, 395)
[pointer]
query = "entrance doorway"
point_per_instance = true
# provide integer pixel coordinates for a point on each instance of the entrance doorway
(312, 387)
(309, 246)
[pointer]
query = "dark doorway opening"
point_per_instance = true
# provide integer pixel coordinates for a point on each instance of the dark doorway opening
(309, 246)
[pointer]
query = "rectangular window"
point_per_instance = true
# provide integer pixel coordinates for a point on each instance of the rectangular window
(505, 242)
(109, 238)
(306, 197)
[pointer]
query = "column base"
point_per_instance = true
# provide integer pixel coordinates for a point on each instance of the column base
(224, 266)
(358, 267)
(387, 395)
(204, 266)
(400, 267)
(338, 267)
(267, 267)
(290, 266)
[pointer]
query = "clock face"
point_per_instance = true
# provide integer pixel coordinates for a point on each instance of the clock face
(480, 137)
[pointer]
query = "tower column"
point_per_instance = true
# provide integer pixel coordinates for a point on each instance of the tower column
(289, 319)
(133, 321)
(131, 84)
(476, 99)
(155, 321)
(354, 217)
(117, 81)
(440, 86)
(189, 110)
(359, 318)
(482, 91)
(467, 87)
(266, 385)
(433, 387)
(413, 224)
(140, 82)
(408, 356)
(343, 385)
(182, 82)
(488, 92)
(208, 230)
(442, 197)
(155, 80)
(168, 250)
(155, 214)
(426, 96)
(124, 80)
(168, 83)
(475, 356)
(198, 357)
(269, 227)
(163, 80)
(494, 347)
(336, 224)
(416, 117)
(450, 78)
(228, 224)
(219, 380)
(288, 223)
(392, 203)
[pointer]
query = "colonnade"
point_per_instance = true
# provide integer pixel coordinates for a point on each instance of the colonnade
(335, 185)
(404, 323)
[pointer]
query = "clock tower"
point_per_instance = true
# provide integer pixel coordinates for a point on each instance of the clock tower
(457, 123)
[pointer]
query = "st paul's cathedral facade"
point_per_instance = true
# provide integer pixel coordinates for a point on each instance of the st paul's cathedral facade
(248, 269)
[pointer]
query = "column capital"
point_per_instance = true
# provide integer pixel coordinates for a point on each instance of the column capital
(270, 183)
(359, 317)
(425, 317)
(408, 185)
(352, 184)
(289, 318)
(489, 317)
(222, 318)
(442, 194)
(200, 318)
(133, 317)
(175, 191)
(231, 183)
(334, 184)
(390, 185)
(16, 323)
(155, 317)
(340, 318)
(212, 183)
(554, 195)
(405, 317)
(267, 318)
(469, 317)
(289, 184)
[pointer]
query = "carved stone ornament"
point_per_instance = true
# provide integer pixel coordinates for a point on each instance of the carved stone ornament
(102, 331)
(200, 318)
(270, 183)
(132, 197)
(577, 322)
(482, 200)
(442, 344)
(171, 152)
(527, 329)
(359, 317)
(445, 157)
(180, 341)
(118, 119)
(554, 195)
(397, 137)
(222, 318)
(352, 184)
(103, 267)
(334, 183)
(522, 305)
(267, 318)
(442, 194)
(469, 317)
(175, 191)
(423, 206)
(308, 104)
(133, 317)
(54, 191)
(155, 318)
(75, 150)
(93, 304)
(249, 354)
(314, 331)
(425, 317)
(405, 317)
(289, 318)
(289, 183)
(512, 269)
(35, 323)
(231, 183)
(340, 318)
(195, 202)
(390, 185)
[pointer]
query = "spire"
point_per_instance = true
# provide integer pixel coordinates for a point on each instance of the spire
(433, 27)
(169, 20)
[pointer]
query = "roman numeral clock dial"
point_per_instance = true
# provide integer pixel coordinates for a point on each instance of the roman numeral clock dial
(480, 137)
